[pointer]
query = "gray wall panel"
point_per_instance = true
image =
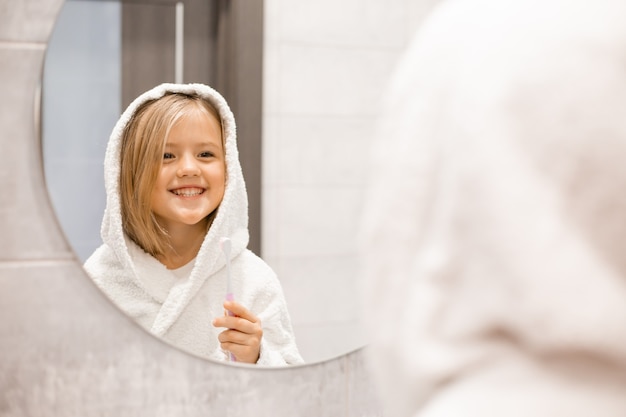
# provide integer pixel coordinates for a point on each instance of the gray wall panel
(27, 20)
(28, 228)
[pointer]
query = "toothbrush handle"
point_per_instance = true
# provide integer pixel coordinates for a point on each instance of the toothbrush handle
(230, 297)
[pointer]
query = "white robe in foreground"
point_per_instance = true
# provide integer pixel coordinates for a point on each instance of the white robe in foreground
(494, 237)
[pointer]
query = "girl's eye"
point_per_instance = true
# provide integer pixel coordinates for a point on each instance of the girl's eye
(168, 155)
(206, 154)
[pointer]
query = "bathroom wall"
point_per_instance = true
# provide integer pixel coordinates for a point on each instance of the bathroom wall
(326, 66)
(66, 351)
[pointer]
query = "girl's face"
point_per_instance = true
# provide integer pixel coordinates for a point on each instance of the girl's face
(191, 182)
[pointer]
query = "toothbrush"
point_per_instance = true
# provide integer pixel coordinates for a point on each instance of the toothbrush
(225, 246)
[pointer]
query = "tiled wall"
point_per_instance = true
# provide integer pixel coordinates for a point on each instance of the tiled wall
(326, 67)
(65, 350)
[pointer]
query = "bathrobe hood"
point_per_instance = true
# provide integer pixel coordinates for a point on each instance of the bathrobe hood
(494, 233)
(232, 216)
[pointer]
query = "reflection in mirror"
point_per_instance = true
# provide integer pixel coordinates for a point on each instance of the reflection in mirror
(323, 75)
(175, 232)
(81, 102)
(175, 196)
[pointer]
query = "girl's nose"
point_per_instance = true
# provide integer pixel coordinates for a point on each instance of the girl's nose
(188, 166)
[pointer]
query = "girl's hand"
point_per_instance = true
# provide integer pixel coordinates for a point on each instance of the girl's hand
(243, 335)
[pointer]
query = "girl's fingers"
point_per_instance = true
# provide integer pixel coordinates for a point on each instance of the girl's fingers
(241, 319)
(237, 323)
(243, 333)
(245, 347)
(240, 311)
(233, 336)
(243, 353)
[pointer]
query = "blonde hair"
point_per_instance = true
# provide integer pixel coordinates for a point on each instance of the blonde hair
(143, 143)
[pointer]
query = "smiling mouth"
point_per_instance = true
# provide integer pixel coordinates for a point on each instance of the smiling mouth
(188, 192)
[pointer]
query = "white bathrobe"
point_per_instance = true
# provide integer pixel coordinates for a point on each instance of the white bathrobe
(494, 237)
(180, 311)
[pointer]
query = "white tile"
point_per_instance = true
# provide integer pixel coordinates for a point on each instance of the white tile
(271, 77)
(324, 151)
(332, 81)
(321, 289)
(319, 21)
(28, 20)
(370, 23)
(270, 222)
(318, 220)
(272, 11)
(319, 343)
(27, 223)
(269, 164)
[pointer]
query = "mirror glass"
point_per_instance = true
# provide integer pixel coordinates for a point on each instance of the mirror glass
(81, 102)
(82, 97)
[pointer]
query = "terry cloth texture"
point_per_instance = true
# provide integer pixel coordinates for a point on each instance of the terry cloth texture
(494, 237)
(181, 311)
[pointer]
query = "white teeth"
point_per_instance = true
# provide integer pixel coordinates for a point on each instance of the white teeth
(188, 192)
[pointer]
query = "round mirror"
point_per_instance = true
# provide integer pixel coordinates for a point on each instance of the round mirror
(322, 79)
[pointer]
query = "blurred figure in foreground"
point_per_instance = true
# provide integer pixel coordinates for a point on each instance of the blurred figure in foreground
(494, 234)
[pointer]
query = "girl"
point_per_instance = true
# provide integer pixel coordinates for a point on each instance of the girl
(174, 190)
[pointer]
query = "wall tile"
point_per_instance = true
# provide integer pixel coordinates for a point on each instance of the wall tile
(272, 223)
(28, 20)
(272, 10)
(328, 340)
(29, 228)
(324, 151)
(321, 289)
(271, 142)
(363, 397)
(371, 23)
(318, 220)
(322, 294)
(271, 77)
(332, 81)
